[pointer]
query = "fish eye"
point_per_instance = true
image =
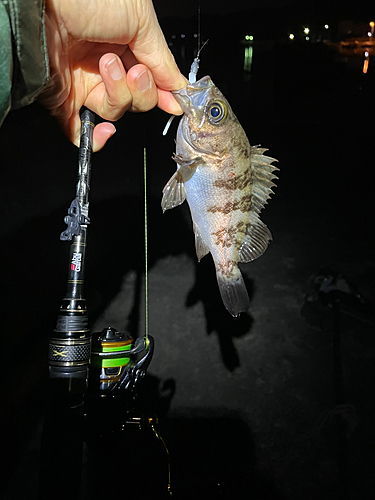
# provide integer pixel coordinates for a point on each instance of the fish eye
(216, 112)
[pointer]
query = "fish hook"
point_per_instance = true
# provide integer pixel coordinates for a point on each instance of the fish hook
(192, 79)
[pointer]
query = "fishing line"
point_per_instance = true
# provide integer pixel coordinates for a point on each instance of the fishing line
(199, 26)
(147, 341)
(146, 243)
(194, 67)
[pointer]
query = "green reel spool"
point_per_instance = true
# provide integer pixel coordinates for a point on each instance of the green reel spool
(105, 364)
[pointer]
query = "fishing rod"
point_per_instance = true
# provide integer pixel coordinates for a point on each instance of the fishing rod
(70, 346)
(92, 377)
(70, 343)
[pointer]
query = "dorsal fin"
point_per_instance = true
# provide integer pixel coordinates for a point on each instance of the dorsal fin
(263, 176)
(257, 237)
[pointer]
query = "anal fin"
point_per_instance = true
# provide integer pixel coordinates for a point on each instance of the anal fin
(255, 241)
(200, 246)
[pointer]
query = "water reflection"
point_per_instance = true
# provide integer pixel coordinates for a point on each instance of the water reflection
(248, 60)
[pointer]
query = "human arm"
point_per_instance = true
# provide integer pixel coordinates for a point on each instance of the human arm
(24, 67)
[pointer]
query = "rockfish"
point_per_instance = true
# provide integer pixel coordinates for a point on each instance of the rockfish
(226, 182)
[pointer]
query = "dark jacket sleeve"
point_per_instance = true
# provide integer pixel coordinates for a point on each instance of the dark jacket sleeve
(24, 67)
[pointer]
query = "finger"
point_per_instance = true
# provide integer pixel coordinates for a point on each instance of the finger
(142, 87)
(102, 132)
(128, 59)
(112, 97)
(73, 129)
(168, 103)
(151, 49)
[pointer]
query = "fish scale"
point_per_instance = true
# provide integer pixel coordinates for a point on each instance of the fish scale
(226, 183)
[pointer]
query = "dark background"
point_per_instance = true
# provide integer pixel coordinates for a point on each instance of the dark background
(280, 403)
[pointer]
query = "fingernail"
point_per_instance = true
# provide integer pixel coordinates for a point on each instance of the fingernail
(114, 69)
(143, 82)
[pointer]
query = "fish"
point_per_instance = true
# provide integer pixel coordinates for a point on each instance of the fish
(226, 182)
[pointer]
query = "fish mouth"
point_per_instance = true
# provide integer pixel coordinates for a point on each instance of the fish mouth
(191, 98)
(194, 94)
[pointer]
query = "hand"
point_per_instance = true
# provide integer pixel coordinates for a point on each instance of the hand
(110, 56)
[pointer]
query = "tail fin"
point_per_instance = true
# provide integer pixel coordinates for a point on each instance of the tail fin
(233, 293)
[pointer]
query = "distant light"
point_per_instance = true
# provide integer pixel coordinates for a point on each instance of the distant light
(249, 37)
(307, 38)
(306, 31)
(173, 36)
(291, 36)
(372, 24)
(366, 54)
(326, 26)
(369, 33)
(182, 35)
(195, 35)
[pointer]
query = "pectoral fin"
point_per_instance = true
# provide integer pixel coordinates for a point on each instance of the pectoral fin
(188, 166)
(174, 192)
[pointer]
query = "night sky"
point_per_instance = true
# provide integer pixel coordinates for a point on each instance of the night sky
(186, 8)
